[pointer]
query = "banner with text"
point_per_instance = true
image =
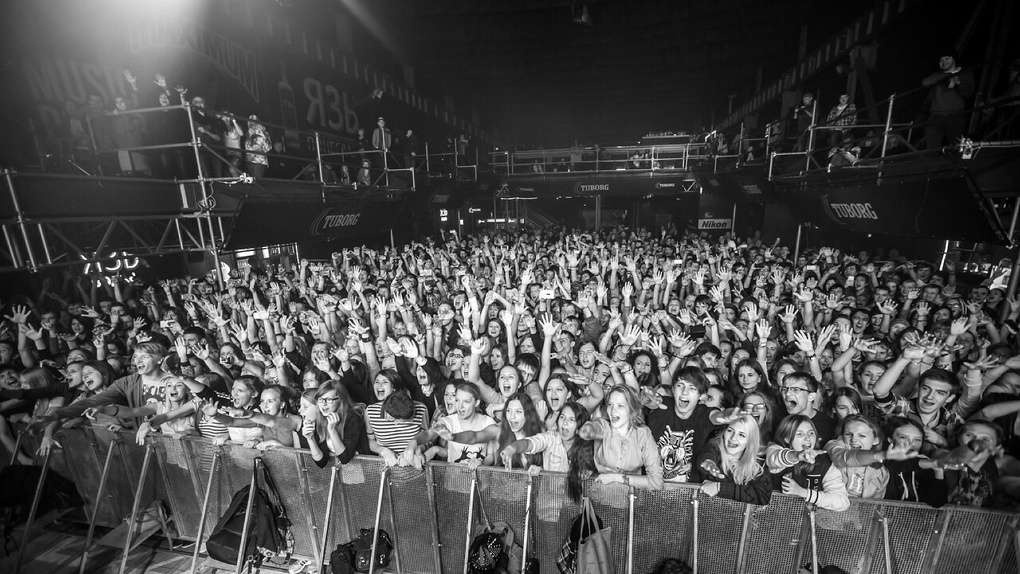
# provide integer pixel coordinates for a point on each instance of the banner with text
(266, 223)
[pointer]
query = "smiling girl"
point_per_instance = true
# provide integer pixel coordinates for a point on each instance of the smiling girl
(623, 444)
(798, 468)
(730, 464)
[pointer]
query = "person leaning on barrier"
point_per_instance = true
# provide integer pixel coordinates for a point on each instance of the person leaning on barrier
(730, 464)
(799, 468)
(133, 391)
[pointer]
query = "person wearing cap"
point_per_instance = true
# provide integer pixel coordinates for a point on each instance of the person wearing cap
(381, 137)
(951, 87)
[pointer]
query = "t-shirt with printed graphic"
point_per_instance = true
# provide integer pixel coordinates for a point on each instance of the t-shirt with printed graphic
(460, 452)
(153, 394)
(679, 441)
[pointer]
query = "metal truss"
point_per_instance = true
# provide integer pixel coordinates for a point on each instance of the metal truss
(38, 244)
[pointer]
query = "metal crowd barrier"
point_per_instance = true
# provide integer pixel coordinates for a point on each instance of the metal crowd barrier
(426, 512)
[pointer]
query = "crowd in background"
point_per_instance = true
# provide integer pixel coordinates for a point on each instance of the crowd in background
(632, 356)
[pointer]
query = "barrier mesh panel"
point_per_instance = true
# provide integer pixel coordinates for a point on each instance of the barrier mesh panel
(972, 541)
(719, 524)
(282, 467)
(453, 482)
(774, 535)
(843, 536)
(412, 531)
(554, 514)
(1009, 558)
(120, 484)
(179, 471)
(88, 470)
(175, 466)
(318, 493)
(153, 489)
(610, 503)
(663, 523)
(910, 533)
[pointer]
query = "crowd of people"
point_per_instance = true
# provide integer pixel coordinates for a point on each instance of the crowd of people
(627, 355)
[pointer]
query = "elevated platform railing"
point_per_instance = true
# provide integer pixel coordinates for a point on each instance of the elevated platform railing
(427, 512)
(589, 160)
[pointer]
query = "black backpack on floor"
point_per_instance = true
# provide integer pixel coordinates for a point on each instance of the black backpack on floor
(356, 555)
(269, 534)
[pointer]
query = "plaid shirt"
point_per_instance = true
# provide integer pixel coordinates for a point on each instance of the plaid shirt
(847, 118)
(946, 424)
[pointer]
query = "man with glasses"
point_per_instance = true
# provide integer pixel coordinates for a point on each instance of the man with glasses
(799, 393)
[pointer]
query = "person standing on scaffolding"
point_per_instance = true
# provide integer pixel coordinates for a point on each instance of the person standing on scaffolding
(951, 87)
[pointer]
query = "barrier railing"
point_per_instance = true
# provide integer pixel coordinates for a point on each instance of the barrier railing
(426, 512)
(660, 157)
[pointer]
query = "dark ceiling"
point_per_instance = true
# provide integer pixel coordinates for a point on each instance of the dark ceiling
(640, 66)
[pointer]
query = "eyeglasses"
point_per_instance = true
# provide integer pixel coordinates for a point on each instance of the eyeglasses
(755, 407)
(327, 401)
(788, 390)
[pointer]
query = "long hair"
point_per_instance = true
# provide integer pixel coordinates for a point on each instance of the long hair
(651, 377)
(344, 405)
(581, 455)
(533, 425)
(784, 437)
(38, 378)
(754, 365)
(852, 394)
(105, 371)
(745, 467)
(637, 417)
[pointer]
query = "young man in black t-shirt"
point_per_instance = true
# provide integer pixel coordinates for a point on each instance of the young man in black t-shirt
(681, 425)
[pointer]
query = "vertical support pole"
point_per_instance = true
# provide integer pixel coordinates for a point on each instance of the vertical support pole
(888, 125)
(694, 545)
(23, 551)
(1014, 277)
(378, 516)
(197, 145)
(527, 523)
(430, 491)
(393, 522)
(796, 246)
(931, 558)
(428, 168)
(598, 211)
(45, 244)
(12, 247)
(95, 507)
(470, 519)
(135, 507)
(307, 499)
(318, 161)
(733, 222)
(393, 244)
(205, 508)
(630, 529)
(886, 548)
(20, 219)
(252, 490)
(811, 136)
(744, 532)
(814, 541)
(328, 516)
